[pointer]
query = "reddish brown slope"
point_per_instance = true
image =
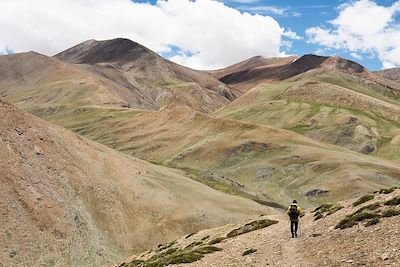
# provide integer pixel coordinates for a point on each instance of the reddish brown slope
(391, 74)
(246, 78)
(257, 62)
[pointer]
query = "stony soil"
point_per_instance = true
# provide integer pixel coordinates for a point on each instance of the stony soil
(318, 244)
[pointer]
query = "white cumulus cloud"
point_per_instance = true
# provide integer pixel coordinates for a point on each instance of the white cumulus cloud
(211, 34)
(363, 27)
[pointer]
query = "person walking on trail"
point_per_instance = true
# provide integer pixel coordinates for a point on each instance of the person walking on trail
(294, 213)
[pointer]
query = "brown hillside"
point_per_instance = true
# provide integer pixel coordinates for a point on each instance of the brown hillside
(165, 82)
(391, 74)
(43, 84)
(252, 160)
(245, 79)
(257, 62)
(68, 201)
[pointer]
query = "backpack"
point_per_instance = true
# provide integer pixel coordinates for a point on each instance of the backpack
(293, 213)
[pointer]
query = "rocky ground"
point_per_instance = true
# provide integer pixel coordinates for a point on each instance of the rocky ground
(318, 244)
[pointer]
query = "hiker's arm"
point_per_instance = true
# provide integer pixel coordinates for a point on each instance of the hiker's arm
(301, 212)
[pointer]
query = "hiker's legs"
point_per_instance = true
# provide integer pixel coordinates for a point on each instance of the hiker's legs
(296, 225)
(292, 227)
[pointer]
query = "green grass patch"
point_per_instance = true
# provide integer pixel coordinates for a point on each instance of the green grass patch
(353, 219)
(205, 237)
(133, 263)
(363, 199)
(194, 244)
(249, 251)
(189, 235)
(370, 207)
(372, 221)
(166, 246)
(254, 225)
(386, 191)
(390, 213)
(325, 210)
(393, 202)
(177, 257)
(217, 240)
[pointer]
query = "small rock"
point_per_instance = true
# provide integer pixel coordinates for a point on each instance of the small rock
(384, 256)
(349, 261)
(38, 150)
(316, 234)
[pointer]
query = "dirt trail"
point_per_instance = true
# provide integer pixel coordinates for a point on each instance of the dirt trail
(274, 247)
(318, 244)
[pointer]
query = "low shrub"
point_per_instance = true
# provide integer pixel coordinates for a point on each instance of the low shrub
(189, 235)
(217, 240)
(370, 207)
(133, 263)
(363, 199)
(372, 222)
(194, 244)
(325, 210)
(206, 237)
(386, 191)
(352, 219)
(175, 257)
(390, 213)
(319, 216)
(249, 251)
(393, 202)
(254, 225)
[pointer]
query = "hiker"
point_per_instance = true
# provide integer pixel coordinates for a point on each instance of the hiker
(294, 213)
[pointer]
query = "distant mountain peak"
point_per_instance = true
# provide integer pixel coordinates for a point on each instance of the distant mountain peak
(113, 50)
(312, 61)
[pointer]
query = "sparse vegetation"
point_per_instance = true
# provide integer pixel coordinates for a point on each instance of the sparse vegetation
(390, 213)
(166, 246)
(249, 251)
(353, 219)
(174, 256)
(255, 225)
(386, 191)
(189, 235)
(325, 210)
(217, 240)
(372, 222)
(194, 244)
(393, 202)
(205, 237)
(370, 207)
(363, 199)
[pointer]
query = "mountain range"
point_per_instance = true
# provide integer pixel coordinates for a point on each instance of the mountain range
(110, 149)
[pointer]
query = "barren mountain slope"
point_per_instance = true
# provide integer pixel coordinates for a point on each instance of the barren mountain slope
(246, 78)
(254, 63)
(65, 200)
(165, 82)
(252, 160)
(331, 106)
(372, 240)
(391, 74)
(41, 84)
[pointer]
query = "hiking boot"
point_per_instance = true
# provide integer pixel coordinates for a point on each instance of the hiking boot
(295, 234)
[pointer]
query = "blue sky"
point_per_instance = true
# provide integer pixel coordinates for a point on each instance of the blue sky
(209, 34)
(300, 15)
